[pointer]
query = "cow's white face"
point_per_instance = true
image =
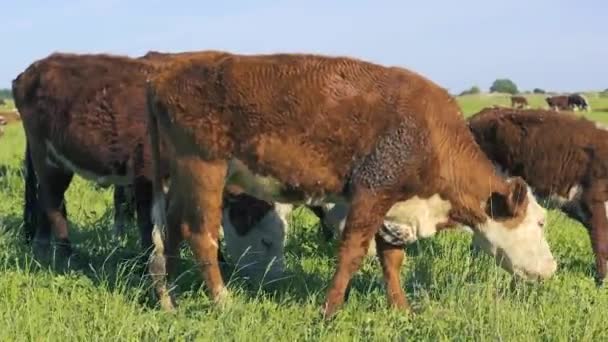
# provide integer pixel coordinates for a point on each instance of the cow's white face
(258, 252)
(518, 243)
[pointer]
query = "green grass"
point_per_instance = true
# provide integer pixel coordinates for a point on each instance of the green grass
(103, 294)
(9, 105)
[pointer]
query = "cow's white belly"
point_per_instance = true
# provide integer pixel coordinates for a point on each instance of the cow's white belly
(104, 180)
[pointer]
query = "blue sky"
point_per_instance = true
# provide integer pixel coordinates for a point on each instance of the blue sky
(552, 44)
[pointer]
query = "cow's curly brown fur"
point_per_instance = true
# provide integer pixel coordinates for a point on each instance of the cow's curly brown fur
(559, 102)
(91, 108)
(323, 126)
(553, 153)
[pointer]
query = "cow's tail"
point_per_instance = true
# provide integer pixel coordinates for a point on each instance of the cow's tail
(157, 264)
(30, 207)
(22, 88)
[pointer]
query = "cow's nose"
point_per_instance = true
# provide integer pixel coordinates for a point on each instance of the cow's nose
(541, 222)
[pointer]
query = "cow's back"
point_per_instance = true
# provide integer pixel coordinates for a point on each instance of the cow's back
(328, 111)
(89, 108)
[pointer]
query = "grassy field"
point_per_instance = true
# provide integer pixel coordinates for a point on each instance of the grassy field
(103, 293)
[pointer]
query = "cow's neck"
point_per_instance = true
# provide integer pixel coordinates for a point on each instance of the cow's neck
(467, 178)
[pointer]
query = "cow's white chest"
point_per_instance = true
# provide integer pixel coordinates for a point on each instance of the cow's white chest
(416, 218)
(104, 180)
(406, 222)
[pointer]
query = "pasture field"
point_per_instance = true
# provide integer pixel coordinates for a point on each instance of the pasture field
(102, 293)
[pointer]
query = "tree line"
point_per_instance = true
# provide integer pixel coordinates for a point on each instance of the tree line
(5, 94)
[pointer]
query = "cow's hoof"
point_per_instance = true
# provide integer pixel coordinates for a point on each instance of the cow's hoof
(223, 299)
(600, 281)
(167, 302)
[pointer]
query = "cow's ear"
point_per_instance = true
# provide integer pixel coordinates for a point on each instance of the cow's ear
(517, 198)
(510, 204)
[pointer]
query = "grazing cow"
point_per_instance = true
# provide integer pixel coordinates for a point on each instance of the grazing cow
(85, 114)
(519, 102)
(563, 158)
(311, 129)
(558, 102)
(2, 124)
(578, 101)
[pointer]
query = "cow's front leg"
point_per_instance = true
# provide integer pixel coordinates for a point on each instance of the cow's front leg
(365, 216)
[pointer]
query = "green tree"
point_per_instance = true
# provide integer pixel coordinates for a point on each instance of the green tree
(503, 85)
(5, 94)
(539, 91)
(470, 91)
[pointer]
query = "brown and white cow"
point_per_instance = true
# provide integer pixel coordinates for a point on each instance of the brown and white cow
(310, 129)
(563, 158)
(519, 102)
(558, 102)
(85, 114)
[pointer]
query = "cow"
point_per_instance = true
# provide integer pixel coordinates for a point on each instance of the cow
(578, 101)
(558, 103)
(519, 102)
(3, 122)
(563, 158)
(82, 114)
(85, 114)
(302, 128)
(2, 102)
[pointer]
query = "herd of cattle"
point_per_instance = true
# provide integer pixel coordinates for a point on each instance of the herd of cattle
(557, 103)
(382, 155)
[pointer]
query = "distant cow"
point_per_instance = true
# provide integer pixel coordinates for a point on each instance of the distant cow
(563, 158)
(310, 129)
(558, 102)
(2, 124)
(2, 102)
(519, 101)
(578, 101)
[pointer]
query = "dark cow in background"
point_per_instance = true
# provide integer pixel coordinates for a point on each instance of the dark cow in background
(558, 102)
(310, 129)
(564, 159)
(2, 102)
(578, 101)
(519, 102)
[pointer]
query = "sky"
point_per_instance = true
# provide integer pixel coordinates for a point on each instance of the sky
(551, 44)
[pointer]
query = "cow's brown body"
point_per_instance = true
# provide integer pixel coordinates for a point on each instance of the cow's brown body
(325, 129)
(85, 114)
(88, 110)
(519, 102)
(558, 102)
(564, 158)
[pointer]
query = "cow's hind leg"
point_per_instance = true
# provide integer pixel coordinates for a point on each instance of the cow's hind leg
(202, 217)
(123, 208)
(365, 216)
(53, 216)
(143, 202)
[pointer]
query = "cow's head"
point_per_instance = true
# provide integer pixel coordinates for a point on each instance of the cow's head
(514, 232)
(254, 233)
